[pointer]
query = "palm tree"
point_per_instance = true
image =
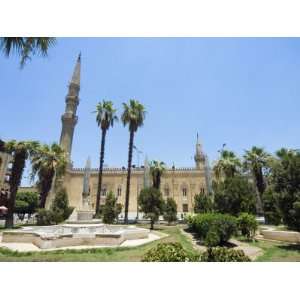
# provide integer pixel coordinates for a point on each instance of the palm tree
(133, 116)
(20, 152)
(255, 160)
(48, 163)
(157, 168)
(26, 46)
(106, 116)
(227, 165)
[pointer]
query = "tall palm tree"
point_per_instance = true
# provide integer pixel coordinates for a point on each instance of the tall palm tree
(133, 116)
(255, 160)
(20, 152)
(48, 163)
(26, 46)
(227, 166)
(106, 116)
(157, 168)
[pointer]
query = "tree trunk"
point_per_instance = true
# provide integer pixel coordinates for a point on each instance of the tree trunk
(259, 205)
(46, 185)
(128, 175)
(152, 224)
(14, 182)
(100, 170)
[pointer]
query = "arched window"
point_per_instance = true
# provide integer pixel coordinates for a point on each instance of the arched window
(103, 191)
(119, 191)
(184, 190)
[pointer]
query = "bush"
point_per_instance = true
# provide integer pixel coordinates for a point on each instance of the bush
(247, 224)
(170, 211)
(223, 254)
(214, 228)
(203, 203)
(44, 217)
(189, 219)
(111, 209)
(169, 252)
(59, 211)
(234, 195)
(271, 210)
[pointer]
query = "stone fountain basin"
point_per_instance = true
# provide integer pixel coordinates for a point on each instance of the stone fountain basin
(56, 236)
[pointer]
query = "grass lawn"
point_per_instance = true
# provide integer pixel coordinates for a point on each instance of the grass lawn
(105, 254)
(276, 251)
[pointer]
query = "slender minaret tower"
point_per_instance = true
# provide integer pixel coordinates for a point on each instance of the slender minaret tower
(69, 118)
(199, 156)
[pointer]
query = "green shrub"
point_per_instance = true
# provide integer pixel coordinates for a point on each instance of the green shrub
(203, 203)
(44, 217)
(169, 252)
(223, 254)
(271, 209)
(234, 195)
(189, 219)
(247, 224)
(170, 210)
(214, 228)
(111, 209)
(59, 211)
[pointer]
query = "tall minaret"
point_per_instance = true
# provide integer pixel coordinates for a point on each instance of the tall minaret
(199, 156)
(69, 118)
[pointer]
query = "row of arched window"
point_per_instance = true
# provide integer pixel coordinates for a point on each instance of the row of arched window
(166, 191)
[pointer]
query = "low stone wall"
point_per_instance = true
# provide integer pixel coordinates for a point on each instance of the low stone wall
(278, 235)
(74, 239)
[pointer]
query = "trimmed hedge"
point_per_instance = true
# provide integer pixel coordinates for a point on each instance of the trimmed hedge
(169, 252)
(214, 229)
(247, 224)
(223, 254)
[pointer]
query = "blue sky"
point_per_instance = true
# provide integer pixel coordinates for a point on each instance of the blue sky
(238, 91)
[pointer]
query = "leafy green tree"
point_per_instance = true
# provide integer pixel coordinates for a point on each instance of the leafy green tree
(271, 209)
(170, 210)
(285, 179)
(234, 195)
(157, 168)
(60, 206)
(203, 203)
(25, 47)
(255, 161)
(21, 209)
(20, 152)
(151, 203)
(26, 203)
(111, 209)
(228, 165)
(133, 116)
(106, 116)
(49, 163)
